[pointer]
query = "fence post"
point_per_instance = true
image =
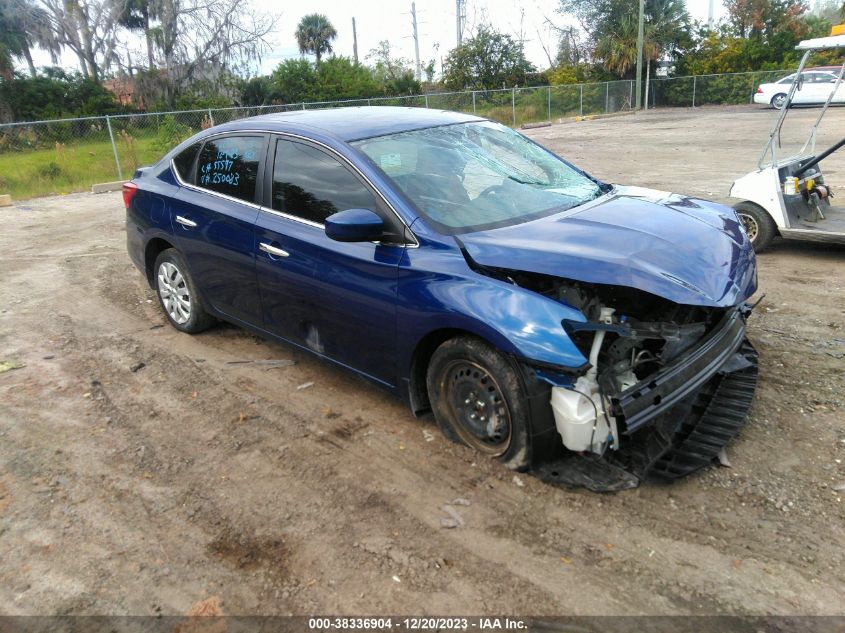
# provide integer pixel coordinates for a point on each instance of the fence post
(694, 77)
(473, 101)
(210, 117)
(751, 98)
(550, 104)
(426, 100)
(114, 149)
(513, 105)
(606, 95)
(581, 101)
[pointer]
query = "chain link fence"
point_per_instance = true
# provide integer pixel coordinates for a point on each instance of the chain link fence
(47, 157)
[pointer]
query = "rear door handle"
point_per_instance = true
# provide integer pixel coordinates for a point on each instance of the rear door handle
(273, 250)
(186, 222)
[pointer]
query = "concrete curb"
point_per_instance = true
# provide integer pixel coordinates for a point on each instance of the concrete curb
(5, 200)
(591, 117)
(104, 187)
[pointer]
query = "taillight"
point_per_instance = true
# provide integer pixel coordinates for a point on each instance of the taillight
(129, 191)
(759, 91)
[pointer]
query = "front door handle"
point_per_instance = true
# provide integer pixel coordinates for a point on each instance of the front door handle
(186, 222)
(275, 251)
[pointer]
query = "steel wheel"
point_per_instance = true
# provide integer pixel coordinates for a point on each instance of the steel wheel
(174, 292)
(779, 101)
(478, 406)
(752, 229)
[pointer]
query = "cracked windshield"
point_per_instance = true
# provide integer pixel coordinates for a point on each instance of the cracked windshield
(476, 176)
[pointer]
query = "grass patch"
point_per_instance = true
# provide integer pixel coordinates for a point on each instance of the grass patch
(70, 168)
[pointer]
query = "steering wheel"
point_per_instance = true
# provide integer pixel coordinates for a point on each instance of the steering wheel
(492, 191)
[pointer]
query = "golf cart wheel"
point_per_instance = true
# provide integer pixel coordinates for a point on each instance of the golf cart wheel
(479, 400)
(758, 224)
(779, 101)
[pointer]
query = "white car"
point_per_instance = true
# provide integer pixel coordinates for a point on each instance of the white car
(815, 87)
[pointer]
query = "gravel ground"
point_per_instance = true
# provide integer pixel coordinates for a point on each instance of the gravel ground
(144, 489)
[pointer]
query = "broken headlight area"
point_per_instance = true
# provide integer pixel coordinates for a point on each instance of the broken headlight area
(666, 388)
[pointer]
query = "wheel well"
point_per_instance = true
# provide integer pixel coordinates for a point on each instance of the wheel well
(154, 247)
(417, 390)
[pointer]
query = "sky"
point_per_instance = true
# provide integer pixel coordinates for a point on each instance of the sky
(391, 20)
(436, 25)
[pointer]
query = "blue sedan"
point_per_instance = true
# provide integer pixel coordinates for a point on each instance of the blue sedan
(592, 332)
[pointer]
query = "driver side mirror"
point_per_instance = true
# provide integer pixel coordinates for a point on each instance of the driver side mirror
(355, 225)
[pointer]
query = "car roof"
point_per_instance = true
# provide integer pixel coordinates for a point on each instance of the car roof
(354, 123)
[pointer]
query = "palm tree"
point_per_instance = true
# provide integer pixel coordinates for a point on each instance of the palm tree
(22, 27)
(667, 25)
(618, 48)
(314, 35)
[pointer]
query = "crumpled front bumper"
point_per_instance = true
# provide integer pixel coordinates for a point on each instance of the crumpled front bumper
(718, 352)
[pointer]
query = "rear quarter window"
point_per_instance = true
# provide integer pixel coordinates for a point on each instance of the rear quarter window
(184, 162)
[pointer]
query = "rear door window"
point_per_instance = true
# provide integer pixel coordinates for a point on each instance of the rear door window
(230, 165)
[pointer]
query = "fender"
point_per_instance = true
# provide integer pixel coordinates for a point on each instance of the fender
(762, 187)
(516, 320)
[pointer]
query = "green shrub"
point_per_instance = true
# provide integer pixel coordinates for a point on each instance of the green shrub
(50, 170)
(170, 134)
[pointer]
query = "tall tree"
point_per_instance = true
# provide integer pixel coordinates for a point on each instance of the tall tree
(314, 34)
(137, 15)
(395, 74)
(611, 27)
(89, 28)
(199, 39)
(765, 18)
(489, 59)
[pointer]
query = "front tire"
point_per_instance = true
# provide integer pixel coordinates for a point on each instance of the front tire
(478, 399)
(779, 101)
(177, 294)
(758, 224)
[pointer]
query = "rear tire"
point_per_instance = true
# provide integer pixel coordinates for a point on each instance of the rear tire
(177, 294)
(758, 224)
(478, 400)
(779, 101)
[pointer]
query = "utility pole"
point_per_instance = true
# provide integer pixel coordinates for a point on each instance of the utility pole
(640, 34)
(354, 41)
(711, 13)
(416, 39)
(459, 19)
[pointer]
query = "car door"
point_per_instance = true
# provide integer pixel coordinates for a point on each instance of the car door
(214, 214)
(818, 87)
(803, 92)
(337, 299)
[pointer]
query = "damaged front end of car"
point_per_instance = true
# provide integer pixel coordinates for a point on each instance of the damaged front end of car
(666, 388)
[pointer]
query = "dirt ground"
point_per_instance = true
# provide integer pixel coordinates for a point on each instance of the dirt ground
(128, 489)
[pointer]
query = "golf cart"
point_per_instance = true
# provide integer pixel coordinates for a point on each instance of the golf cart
(789, 196)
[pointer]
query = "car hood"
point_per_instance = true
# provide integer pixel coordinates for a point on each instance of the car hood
(689, 251)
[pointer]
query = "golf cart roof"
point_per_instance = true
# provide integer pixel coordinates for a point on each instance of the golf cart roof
(821, 43)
